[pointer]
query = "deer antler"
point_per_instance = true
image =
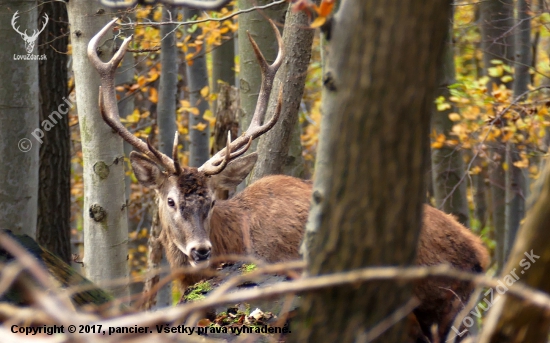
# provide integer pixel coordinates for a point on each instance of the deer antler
(240, 145)
(108, 103)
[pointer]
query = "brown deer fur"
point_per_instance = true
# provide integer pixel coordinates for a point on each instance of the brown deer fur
(275, 209)
(267, 219)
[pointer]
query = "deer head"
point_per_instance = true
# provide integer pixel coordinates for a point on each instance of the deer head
(185, 194)
(29, 40)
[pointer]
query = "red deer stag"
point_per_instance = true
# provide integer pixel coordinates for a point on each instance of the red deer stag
(267, 219)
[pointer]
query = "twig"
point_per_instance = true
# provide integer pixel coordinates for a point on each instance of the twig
(192, 22)
(529, 294)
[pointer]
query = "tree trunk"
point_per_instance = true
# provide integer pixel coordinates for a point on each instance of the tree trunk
(511, 320)
(273, 147)
(223, 65)
(18, 121)
(250, 77)
(497, 18)
(515, 179)
(370, 196)
(105, 213)
(166, 119)
(197, 79)
(448, 170)
(53, 230)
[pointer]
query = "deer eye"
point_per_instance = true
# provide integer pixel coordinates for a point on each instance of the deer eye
(171, 202)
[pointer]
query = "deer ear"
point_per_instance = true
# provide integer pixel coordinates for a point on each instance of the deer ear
(235, 172)
(146, 171)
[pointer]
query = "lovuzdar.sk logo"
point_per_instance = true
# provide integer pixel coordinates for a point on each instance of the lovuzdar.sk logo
(29, 40)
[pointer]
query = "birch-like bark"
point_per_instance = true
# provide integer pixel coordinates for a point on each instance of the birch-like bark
(105, 211)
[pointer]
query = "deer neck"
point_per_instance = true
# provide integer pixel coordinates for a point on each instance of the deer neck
(229, 232)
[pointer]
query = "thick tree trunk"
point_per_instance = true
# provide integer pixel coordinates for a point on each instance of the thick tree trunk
(371, 193)
(274, 146)
(19, 110)
(105, 213)
(497, 19)
(250, 77)
(53, 230)
(197, 79)
(447, 161)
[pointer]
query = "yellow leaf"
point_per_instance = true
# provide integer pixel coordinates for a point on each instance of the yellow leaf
(443, 106)
(505, 166)
(318, 22)
(521, 164)
(495, 71)
(205, 91)
(200, 126)
(475, 170)
(454, 116)
(506, 78)
(194, 110)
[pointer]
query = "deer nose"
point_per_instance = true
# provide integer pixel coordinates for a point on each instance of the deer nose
(200, 254)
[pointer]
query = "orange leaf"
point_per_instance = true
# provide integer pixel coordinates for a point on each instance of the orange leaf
(153, 95)
(325, 8)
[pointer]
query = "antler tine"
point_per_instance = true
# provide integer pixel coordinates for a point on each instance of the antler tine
(268, 76)
(107, 97)
(240, 145)
(177, 166)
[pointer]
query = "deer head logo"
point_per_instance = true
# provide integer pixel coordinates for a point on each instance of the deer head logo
(29, 40)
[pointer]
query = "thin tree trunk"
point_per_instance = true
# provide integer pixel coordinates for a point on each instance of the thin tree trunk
(166, 119)
(223, 66)
(18, 121)
(497, 18)
(53, 230)
(515, 179)
(105, 211)
(197, 79)
(274, 146)
(371, 193)
(249, 71)
(447, 161)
